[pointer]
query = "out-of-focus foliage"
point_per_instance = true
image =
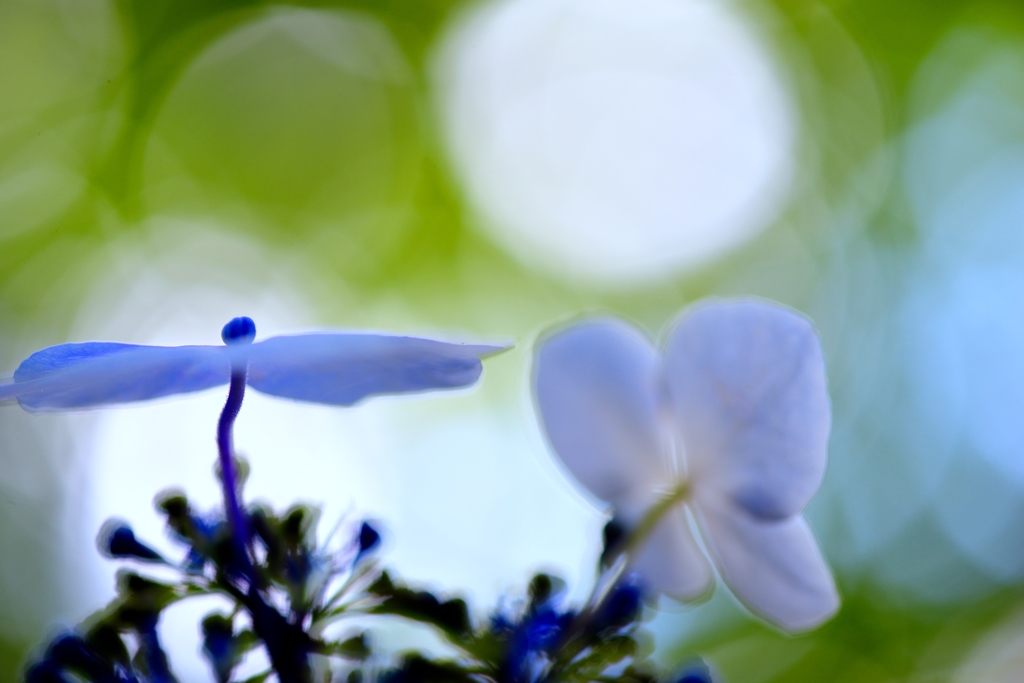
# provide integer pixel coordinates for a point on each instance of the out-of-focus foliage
(254, 145)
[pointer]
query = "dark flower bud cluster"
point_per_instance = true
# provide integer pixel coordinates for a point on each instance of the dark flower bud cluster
(290, 590)
(286, 590)
(290, 587)
(539, 639)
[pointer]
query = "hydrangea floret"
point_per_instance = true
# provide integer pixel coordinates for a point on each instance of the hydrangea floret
(729, 421)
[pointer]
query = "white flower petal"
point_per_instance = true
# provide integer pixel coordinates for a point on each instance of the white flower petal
(595, 391)
(749, 396)
(671, 562)
(773, 566)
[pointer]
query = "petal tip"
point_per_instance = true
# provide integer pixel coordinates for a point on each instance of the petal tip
(493, 348)
(827, 608)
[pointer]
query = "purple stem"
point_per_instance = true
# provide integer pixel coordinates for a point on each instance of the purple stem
(239, 524)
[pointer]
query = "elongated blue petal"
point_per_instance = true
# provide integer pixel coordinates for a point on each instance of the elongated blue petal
(91, 374)
(341, 369)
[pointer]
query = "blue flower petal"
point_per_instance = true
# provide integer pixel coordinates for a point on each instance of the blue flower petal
(341, 369)
(99, 373)
(671, 562)
(596, 389)
(774, 567)
(748, 387)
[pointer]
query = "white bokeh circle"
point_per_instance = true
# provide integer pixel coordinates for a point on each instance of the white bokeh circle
(616, 142)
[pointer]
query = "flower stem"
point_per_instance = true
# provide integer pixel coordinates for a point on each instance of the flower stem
(653, 516)
(605, 584)
(620, 561)
(225, 447)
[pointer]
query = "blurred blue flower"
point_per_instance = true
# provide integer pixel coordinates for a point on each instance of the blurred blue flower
(332, 368)
(530, 639)
(732, 419)
(695, 672)
(621, 607)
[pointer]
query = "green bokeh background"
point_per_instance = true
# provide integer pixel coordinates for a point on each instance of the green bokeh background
(117, 114)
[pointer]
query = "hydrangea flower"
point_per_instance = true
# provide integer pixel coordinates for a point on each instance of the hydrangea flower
(730, 420)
